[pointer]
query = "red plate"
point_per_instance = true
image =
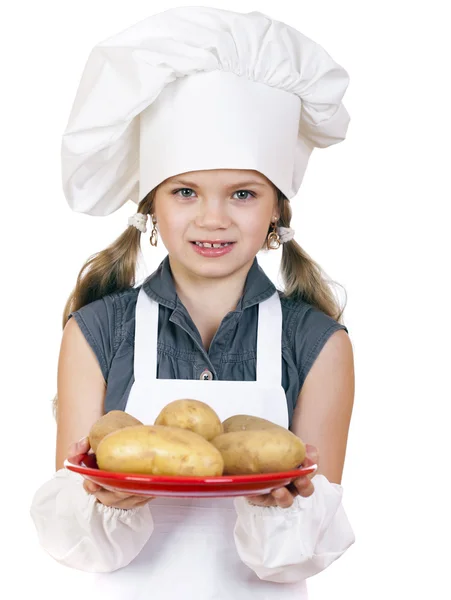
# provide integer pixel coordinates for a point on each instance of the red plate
(199, 487)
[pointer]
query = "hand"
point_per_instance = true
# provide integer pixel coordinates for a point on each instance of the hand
(302, 486)
(122, 500)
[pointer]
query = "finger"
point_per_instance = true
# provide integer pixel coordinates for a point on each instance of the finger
(80, 447)
(254, 500)
(117, 494)
(311, 455)
(282, 497)
(121, 495)
(108, 498)
(91, 487)
(143, 496)
(262, 500)
(311, 458)
(304, 486)
(143, 502)
(118, 499)
(139, 501)
(293, 489)
(126, 504)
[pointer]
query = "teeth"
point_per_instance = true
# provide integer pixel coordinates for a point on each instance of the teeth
(208, 245)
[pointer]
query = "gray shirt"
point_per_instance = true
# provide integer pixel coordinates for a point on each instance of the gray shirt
(108, 325)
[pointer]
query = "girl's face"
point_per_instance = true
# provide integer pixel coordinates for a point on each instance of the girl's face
(233, 208)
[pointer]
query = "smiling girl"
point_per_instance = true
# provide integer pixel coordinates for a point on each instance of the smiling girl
(212, 158)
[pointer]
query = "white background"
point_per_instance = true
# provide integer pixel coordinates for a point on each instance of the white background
(371, 211)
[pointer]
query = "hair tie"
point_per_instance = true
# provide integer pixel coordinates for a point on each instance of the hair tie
(286, 234)
(139, 220)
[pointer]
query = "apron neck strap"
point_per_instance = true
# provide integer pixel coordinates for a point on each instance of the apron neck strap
(269, 339)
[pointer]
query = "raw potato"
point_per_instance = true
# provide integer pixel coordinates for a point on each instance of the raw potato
(158, 450)
(247, 423)
(111, 421)
(260, 451)
(193, 415)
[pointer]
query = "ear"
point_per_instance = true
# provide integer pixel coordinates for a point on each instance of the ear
(276, 210)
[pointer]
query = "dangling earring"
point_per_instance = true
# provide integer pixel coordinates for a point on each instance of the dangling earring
(273, 239)
(154, 233)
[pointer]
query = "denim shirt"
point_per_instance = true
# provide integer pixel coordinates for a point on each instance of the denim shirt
(108, 325)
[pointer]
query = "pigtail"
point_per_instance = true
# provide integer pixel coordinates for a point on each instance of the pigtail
(109, 271)
(302, 276)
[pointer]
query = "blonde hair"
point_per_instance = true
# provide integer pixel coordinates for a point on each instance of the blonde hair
(114, 269)
(303, 278)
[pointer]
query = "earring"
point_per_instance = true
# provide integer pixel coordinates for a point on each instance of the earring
(273, 239)
(154, 233)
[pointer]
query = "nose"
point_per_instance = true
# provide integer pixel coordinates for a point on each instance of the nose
(212, 214)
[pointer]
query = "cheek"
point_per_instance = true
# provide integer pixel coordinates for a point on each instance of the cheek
(172, 228)
(255, 227)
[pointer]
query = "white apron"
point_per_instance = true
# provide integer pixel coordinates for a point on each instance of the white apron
(191, 552)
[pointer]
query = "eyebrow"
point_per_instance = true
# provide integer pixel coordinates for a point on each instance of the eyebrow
(192, 184)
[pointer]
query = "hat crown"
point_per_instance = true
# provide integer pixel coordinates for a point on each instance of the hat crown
(276, 88)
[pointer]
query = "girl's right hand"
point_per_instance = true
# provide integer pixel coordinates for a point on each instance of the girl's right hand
(122, 500)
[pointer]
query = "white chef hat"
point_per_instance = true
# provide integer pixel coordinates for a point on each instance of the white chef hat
(195, 88)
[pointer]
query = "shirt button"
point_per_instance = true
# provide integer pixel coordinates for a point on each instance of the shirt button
(206, 375)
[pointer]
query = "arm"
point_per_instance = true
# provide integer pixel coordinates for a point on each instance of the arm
(72, 526)
(292, 544)
(324, 407)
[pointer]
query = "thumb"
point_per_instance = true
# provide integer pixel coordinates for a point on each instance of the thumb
(80, 447)
(312, 454)
(311, 458)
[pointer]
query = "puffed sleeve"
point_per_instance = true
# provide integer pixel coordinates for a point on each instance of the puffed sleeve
(98, 322)
(291, 544)
(80, 532)
(310, 332)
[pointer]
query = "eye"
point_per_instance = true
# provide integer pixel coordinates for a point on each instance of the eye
(176, 192)
(183, 190)
(245, 192)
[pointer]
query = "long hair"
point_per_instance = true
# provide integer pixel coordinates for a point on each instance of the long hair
(109, 271)
(114, 269)
(303, 278)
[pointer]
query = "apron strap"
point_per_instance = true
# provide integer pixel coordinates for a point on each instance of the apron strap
(269, 339)
(146, 338)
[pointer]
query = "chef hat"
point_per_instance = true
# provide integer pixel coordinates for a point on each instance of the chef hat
(196, 88)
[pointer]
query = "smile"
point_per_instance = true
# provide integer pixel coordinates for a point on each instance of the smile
(212, 245)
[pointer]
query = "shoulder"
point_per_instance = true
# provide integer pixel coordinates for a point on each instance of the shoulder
(106, 321)
(109, 309)
(307, 329)
(299, 315)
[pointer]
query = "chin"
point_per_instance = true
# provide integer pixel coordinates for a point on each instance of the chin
(214, 268)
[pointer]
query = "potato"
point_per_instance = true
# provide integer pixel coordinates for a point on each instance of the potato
(260, 451)
(193, 415)
(247, 423)
(111, 421)
(158, 450)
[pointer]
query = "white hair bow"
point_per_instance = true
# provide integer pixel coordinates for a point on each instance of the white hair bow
(139, 221)
(285, 234)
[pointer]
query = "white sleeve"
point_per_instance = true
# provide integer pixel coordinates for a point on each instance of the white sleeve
(292, 544)
(80, 532)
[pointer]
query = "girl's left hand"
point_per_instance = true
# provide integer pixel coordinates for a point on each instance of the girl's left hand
(284, 496)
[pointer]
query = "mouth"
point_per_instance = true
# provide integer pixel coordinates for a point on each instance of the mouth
(216, 244)
(210, 249)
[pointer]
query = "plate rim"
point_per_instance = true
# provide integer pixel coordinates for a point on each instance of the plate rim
(73, 463)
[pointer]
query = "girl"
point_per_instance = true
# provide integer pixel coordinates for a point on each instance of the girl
(206, 118)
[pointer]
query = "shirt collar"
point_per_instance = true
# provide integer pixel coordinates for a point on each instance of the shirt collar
(160, 286)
